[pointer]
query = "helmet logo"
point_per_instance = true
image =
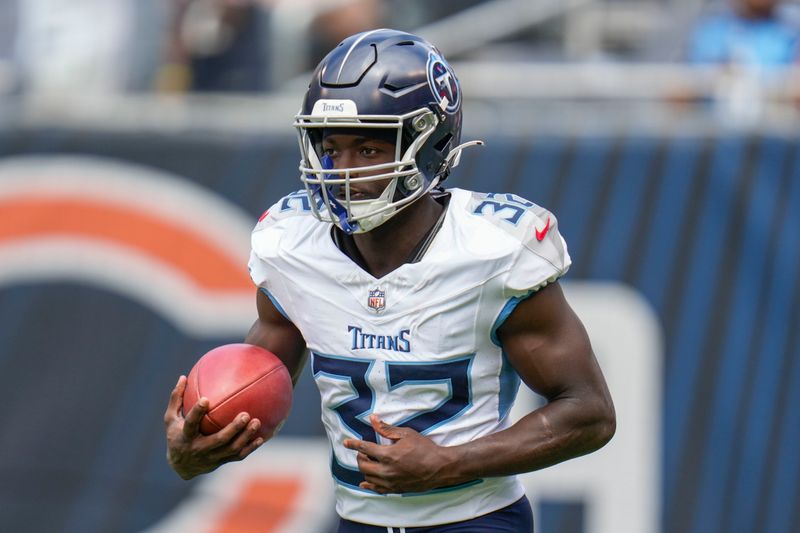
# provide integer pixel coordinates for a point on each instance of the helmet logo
(443, 83)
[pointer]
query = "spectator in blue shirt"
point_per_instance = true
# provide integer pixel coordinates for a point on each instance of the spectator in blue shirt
(751, 33)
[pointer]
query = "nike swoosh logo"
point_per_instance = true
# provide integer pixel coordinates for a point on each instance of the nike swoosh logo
(540, 234)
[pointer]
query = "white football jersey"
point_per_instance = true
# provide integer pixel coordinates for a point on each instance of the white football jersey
(417, 347)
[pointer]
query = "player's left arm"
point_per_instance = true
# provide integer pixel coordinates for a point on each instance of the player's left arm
(548, 346)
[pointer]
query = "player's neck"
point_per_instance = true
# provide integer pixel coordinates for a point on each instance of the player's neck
(390, 245)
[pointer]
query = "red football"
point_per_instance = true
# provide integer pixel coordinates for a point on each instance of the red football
(240, 378)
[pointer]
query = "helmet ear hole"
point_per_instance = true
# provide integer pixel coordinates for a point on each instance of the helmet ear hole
(443, 142)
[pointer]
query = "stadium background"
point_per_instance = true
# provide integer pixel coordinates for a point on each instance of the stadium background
(123, 238)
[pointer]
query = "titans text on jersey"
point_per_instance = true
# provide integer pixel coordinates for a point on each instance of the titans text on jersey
(363, 340)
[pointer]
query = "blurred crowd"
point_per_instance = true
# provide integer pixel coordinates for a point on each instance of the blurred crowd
(97, 46)
(746, 32)
(182, 45)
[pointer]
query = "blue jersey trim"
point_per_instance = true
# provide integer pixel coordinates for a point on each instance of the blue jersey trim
(449, 488)
(348, 477)
(504, 314)
(275, 303)
(509, 386)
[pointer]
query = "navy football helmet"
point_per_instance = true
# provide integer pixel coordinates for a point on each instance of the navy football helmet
(388, 81)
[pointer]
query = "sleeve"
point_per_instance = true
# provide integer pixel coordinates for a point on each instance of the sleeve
(265, 245)
(270, 230)
(541, 258)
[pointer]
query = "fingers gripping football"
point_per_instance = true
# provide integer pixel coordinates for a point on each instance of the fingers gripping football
(189, 452)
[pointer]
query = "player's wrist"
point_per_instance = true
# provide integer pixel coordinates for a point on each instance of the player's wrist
(453, 466)
(183, 471)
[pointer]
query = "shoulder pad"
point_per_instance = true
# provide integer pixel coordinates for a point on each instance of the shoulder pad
(293, 204)
(281, 221)
(531, 225)
(523, 219)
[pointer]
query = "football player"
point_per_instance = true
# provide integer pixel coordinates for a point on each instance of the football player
(421, 307)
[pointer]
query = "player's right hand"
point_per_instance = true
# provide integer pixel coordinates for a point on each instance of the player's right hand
(189, 452)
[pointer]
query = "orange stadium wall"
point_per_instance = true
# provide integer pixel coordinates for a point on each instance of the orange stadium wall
(123, 258)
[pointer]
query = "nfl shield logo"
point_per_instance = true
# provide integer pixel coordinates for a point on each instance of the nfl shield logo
(377, 300)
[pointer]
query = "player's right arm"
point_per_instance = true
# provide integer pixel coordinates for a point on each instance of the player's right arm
(276, 333)
(189, 452)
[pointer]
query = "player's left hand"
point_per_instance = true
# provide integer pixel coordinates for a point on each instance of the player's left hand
(412, 463)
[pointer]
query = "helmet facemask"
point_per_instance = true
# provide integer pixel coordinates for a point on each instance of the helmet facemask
(329, 189)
